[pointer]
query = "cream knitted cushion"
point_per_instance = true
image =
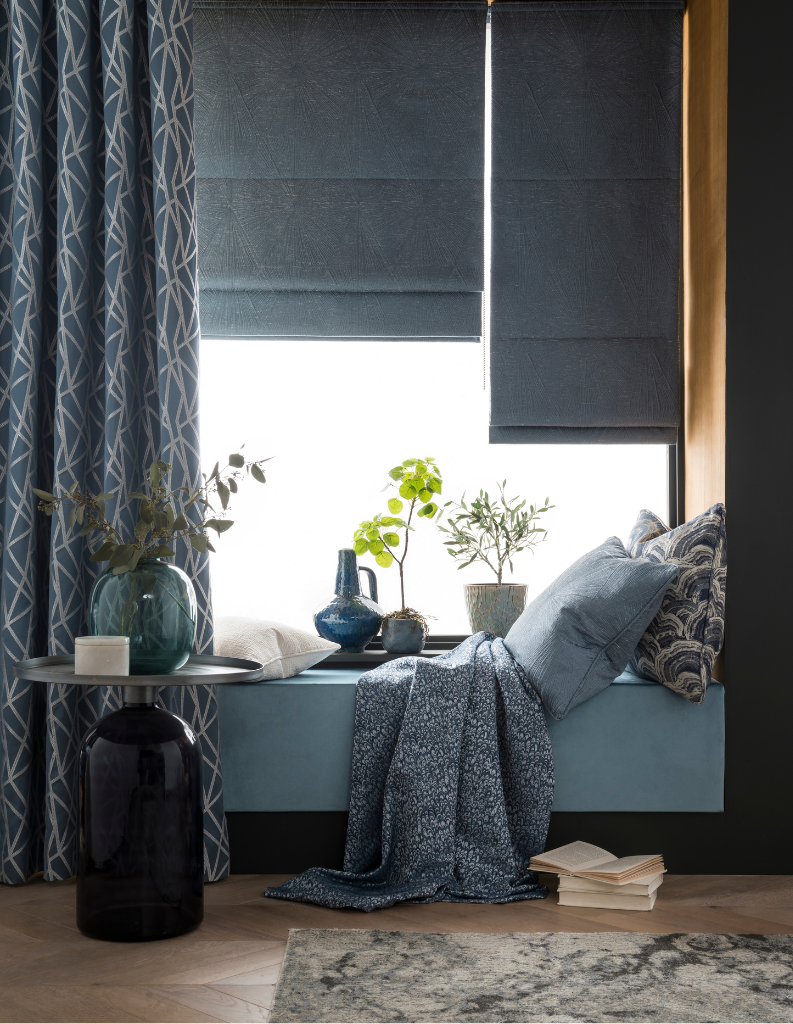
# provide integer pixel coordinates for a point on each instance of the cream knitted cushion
(283, 650)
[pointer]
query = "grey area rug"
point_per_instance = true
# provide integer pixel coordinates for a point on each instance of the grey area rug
(349, 976)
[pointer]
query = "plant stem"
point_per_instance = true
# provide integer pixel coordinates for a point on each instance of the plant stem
(401, 562)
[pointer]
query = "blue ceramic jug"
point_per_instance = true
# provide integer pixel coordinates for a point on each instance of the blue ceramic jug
(350, 619)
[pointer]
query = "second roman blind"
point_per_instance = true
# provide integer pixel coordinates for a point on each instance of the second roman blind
(340, 158)
(586, 221)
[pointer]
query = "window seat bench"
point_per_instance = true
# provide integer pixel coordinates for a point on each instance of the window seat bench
(637, 746)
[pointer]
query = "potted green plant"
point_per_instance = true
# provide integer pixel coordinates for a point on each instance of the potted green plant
(417, 481)
(493, 532)
(140, 595)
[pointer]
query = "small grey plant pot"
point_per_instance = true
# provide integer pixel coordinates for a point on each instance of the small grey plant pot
(494, 607)
(403, 636)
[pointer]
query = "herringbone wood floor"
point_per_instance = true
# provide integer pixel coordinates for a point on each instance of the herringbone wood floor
(227, 969)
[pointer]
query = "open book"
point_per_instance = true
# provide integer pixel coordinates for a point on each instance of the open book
(589, 861)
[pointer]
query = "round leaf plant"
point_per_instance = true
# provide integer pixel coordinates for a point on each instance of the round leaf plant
(418, 482)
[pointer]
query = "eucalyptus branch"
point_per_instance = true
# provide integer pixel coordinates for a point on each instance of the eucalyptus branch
(164, 515)
(498, 529)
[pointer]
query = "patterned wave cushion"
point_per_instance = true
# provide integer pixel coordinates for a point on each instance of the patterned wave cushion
(680, 645)
(578, 635)
(283, 650)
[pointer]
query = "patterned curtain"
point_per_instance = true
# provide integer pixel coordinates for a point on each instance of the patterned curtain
(98, 366)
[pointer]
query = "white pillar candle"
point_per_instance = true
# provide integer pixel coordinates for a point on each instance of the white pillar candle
(101, 656)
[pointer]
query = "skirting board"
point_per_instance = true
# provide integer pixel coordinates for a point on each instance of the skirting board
(286, 842)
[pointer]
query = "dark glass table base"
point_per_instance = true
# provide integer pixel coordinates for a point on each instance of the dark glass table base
(134, 922)
(141, 870)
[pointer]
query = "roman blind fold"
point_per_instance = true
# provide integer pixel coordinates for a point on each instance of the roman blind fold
(340, 161)
(585, 221)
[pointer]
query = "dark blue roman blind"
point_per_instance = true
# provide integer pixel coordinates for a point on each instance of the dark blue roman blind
(586, 221)
(340, 159)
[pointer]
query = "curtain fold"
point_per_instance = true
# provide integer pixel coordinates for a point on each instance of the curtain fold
(98, 367)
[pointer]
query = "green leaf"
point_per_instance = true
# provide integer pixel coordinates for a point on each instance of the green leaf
(232, 485)
(119, 570)
(391, 539)
(121, 555)
(73, 488)
(219, 525)
(215, 472)
(360, 547)
(146, 512)
(210, 547)
(372, 534)
(425, 495)
(395, 505)
(237, 461)
(132, 494)
(200, 542)
(44, 495)
(163, 551)
(80, 514)
(170, 515)
(396, 472)
(132, 564)
(180, 523)
(407, 491)
(154, 474)
(104, 552)
(88, 528)
(434, 484)
(141, 529)
(257, 474)
(160, 520)
(385, 558)
(163, 466)
(72, 514)
(109, 497)
(223, 494)
(375, 547)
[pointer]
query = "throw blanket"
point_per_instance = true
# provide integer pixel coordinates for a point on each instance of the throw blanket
(452, 785)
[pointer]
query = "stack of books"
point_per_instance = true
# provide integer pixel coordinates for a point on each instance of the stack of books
(592, 877)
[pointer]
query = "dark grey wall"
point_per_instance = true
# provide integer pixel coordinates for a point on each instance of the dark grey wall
(755, 834)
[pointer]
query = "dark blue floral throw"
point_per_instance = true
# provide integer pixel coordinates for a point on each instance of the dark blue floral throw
(452, 785)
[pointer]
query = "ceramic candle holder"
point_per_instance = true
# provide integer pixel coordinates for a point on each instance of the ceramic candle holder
(101, 656)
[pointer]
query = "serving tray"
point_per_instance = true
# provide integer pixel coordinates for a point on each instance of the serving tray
(199, 668)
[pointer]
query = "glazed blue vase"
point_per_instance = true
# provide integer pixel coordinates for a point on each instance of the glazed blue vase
(350, 619)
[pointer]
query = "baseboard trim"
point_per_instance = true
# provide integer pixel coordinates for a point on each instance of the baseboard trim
(285, 842)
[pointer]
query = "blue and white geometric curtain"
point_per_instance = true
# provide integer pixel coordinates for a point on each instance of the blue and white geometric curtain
(98, 366)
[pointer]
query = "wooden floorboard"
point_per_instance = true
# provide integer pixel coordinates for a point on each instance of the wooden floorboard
(228, 968)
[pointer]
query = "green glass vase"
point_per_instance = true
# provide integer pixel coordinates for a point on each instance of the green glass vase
(155, 606)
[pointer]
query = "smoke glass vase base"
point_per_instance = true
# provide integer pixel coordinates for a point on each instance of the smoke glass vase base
(155, 606)
(141, 860)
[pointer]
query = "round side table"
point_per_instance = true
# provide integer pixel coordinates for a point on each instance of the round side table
(140, 872)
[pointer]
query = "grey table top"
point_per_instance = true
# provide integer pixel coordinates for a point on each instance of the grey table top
(199, 668)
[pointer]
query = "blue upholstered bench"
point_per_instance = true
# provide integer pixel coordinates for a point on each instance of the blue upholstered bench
(636, 746)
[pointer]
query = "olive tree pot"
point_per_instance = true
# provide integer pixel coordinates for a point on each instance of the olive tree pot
(494, 607)
(403, 636)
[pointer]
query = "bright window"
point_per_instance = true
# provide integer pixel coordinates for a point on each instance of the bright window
(336, 416)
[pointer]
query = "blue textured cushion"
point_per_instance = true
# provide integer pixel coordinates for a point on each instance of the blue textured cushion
(579, 634)
(681, 643)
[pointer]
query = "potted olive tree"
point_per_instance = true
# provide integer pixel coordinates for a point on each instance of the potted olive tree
(417, 481)
(493, 532)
